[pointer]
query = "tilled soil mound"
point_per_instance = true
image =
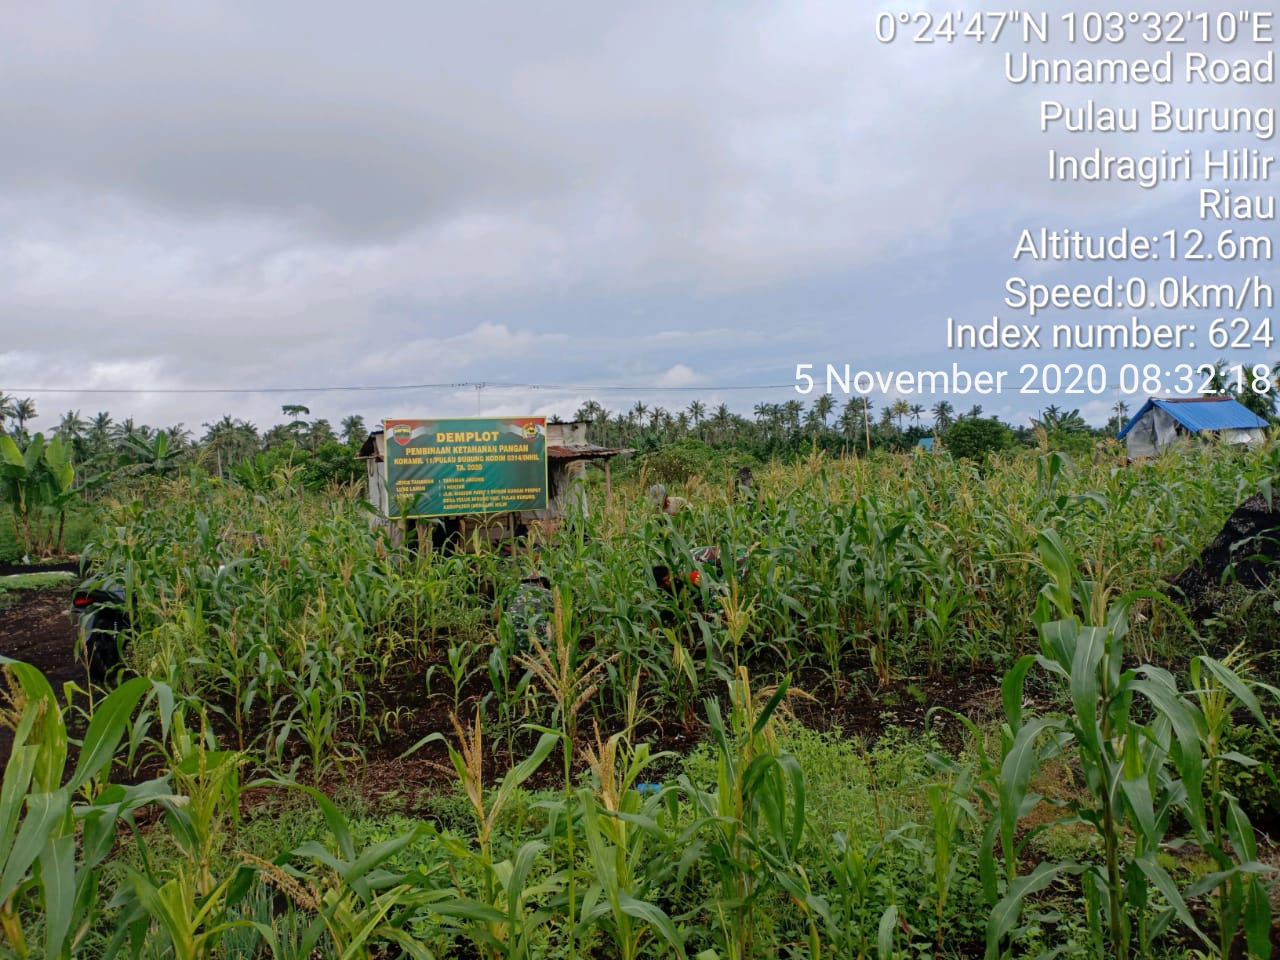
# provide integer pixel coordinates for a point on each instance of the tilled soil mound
(1246, 551)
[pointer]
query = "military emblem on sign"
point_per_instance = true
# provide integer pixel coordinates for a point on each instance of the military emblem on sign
(402, 433)
(530, 431)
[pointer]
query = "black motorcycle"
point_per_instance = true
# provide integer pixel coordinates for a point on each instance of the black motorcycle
(102, 620)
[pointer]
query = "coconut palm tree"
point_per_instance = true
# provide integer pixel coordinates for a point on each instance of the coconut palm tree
(697, 413)
(228, 442)
(24, 410)
(179, 436)
(943, 414)
(72, 426)
(790, 415)
(900, 408)
(823, 407)
(353, 430)
(319, 432)
(123, 430)
(99, 440)
(8, 408)
(720, 420)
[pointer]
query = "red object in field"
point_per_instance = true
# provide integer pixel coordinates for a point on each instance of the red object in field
(695, 577)
(81, 600)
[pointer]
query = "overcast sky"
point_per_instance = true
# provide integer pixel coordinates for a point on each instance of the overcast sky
(629, 200)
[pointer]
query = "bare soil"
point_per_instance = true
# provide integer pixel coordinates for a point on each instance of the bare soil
(37, 629)
(1246, 551)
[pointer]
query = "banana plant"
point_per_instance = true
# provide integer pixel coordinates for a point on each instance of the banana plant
(34, 482)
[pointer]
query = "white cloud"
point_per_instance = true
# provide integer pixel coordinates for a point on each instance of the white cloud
(679, 376)
(207, 195)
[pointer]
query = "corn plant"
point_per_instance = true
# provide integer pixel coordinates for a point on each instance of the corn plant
(863, 903)
(498, 919)
(570, 678)
(1239, 893)
(626, 834)
(52, 850)
(1137, 773)
(361, 902)
(756, 816)
(461, 665)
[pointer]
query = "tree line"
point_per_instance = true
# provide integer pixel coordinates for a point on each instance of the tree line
(104, 448)
(856, 426)
(232, 448)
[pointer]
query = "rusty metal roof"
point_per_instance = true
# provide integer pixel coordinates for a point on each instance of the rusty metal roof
(584, 452)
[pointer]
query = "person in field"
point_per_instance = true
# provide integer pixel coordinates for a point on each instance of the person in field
(744, 487)
(527, 609)
(703, 568)
(666, 504)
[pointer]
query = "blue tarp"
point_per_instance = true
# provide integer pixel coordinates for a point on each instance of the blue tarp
(1201, 413)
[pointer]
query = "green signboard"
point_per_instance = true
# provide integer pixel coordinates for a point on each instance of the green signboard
(472, 465)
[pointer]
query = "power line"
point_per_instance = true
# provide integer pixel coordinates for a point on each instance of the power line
(476, 384)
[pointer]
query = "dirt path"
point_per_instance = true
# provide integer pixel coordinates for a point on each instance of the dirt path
(37, 630)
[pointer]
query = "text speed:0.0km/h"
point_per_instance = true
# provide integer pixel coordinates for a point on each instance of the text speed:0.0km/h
(1149, 379)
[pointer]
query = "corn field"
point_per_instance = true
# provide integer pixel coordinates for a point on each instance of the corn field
(280, 644)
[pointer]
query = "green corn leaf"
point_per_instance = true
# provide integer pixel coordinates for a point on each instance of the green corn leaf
(771, 706)
(1020, 764)
(1212, 881)
(1161, 880)
(1158, 688)
(1005, 914)
(1053, 555)
(1058, 644)
(1240, 830)
(521, 865)
(1137, 793)
(1239, 758)
(885, 932)
(106, 728)
(1238, 689)
(45, 815)
(1257, 918)
(527, 767)
(1011, 690)
(1090, 646)
(374, 856)
(654, 917)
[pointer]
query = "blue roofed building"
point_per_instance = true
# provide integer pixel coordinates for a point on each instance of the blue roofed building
(1163, 421)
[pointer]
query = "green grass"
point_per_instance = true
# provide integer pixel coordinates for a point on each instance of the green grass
(34, 581)
(10, 587)
(81, 526)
